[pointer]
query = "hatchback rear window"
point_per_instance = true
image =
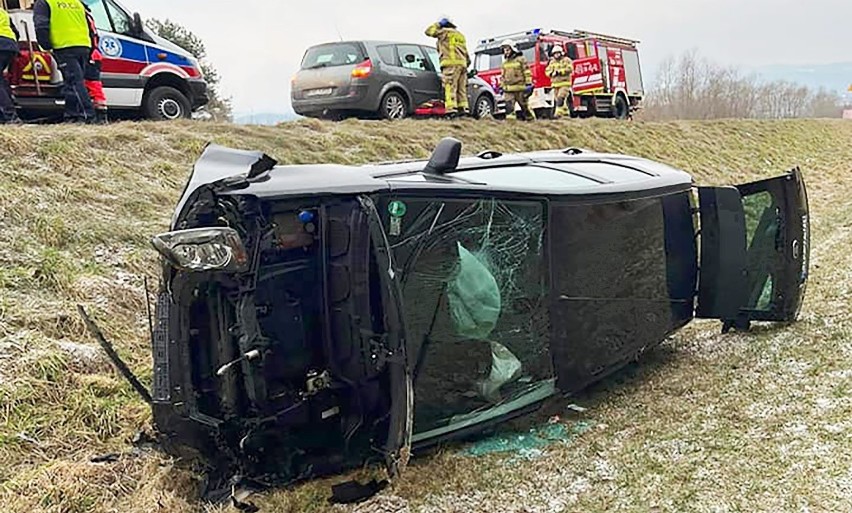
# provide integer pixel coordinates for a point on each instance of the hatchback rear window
(338, 54)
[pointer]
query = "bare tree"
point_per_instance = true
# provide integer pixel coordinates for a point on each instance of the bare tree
(692, 87)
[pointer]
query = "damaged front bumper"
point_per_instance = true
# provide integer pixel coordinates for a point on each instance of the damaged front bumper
(278, 343)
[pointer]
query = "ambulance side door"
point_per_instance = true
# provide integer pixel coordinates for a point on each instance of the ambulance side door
(125, 55)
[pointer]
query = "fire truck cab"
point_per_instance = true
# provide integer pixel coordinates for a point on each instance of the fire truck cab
(607, 79)
(143, 75)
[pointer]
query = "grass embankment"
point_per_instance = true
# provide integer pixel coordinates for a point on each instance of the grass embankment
(756, 422)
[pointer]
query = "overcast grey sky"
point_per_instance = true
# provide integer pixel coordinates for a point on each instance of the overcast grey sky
(257, 45)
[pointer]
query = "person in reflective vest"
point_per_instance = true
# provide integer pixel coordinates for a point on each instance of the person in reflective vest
(61, 27)
(516, 81)
(455, 59)
(9, 50)
(92, 73)
(560, 69)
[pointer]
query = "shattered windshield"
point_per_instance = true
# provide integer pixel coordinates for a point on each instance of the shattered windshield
(475, 307)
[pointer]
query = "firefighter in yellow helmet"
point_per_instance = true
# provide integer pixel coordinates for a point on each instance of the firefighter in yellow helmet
(455, 59)
(516, 81)
(560, 70)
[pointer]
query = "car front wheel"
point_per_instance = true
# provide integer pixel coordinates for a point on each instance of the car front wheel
(393, 106)
(484, 107)
(167, 104)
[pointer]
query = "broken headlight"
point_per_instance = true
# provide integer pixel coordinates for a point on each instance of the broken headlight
(203, 249)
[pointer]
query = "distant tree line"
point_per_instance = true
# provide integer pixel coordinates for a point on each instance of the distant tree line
(693, 87)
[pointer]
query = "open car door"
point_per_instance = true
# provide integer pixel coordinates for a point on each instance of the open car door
(755, 251)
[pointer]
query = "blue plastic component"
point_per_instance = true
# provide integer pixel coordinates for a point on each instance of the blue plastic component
(537, 31)
(306, 216)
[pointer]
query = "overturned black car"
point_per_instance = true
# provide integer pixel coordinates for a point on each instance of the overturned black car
(314, 318)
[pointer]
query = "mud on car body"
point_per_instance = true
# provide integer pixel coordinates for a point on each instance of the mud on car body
(313, 318)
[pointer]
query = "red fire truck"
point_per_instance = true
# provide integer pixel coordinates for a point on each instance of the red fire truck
(607, 76)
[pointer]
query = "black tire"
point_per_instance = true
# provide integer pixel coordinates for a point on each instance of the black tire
(543, 113)
(620, 109)
(393, 106)
(483, 107)
(166, 103)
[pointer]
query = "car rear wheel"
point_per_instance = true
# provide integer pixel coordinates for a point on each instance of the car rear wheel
(484, 107)
(167, 104)
(393, 106)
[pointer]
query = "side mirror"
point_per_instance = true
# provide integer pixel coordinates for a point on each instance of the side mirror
(471, 73)
(137, 27)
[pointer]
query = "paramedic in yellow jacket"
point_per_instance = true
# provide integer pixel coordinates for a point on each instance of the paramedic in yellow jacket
(455, 59)
(516, 81)
(560, 70)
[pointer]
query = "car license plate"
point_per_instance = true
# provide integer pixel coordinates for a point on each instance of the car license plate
(319, 92)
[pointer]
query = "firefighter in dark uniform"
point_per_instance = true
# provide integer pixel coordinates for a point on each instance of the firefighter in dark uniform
(455, 59)
(8, 51)
(516, 81)
(560, 70)
(61, 27)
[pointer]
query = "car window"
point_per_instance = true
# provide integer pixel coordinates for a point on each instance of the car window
(434, 58)
(99, 13)
(387, 54)
(411, 57)
(475, 296)
(120, 19)
(337, 54)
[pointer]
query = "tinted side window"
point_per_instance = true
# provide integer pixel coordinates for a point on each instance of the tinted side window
(120, 19)
(434, 58)
(387, 54)
(99, 13)
(411, 57)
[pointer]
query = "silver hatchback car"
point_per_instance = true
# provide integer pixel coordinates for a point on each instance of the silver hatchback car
(389, 80)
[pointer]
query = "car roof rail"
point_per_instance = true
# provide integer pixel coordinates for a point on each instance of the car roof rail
(445, 157)
(489, 154)
(572, 151)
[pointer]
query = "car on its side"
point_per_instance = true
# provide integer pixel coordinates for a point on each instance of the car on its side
(389, 80)
(313, 318)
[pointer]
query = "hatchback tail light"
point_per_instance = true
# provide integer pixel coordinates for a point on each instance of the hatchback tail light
(363, 70)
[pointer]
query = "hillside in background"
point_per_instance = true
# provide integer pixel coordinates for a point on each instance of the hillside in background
(751, 422)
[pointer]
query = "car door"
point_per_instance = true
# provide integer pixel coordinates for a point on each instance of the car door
(419, 77)
(755, 251)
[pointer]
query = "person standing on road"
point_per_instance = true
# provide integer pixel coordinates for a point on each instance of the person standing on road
(8, 51)
(62, 28)
(560, 70)
(455, 59)
(516, 81)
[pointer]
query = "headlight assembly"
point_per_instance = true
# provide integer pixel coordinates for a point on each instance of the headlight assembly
(203, 249)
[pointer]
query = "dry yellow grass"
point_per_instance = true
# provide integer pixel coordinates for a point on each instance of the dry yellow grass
(756, 422)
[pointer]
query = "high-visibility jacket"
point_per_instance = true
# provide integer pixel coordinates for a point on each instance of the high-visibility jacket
(516, 74)
(452, 45)
(559, 71)
(6, 26)
(68, 26)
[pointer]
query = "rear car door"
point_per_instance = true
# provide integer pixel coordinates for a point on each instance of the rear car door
(420, 79)
(755, 251)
